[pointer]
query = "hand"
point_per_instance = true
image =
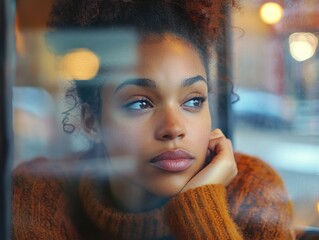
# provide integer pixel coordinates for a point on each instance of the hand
(221, 169)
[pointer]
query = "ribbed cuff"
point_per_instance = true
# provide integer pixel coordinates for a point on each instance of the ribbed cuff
(201, 213)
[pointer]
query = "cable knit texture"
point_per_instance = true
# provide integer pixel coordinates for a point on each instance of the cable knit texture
(59, 200)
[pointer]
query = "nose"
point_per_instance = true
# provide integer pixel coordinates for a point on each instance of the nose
(170, 125)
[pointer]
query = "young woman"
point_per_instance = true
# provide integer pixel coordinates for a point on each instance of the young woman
(155, 170)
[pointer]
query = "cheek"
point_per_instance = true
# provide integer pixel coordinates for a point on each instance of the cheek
(119, 137)
(201, 138)
(200, 133)
(124, 146)
(123, 139)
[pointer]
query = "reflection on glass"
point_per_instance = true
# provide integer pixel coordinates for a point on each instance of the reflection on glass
(278, 83)
(80, 64)
(33, 112)
(138, 112)
(302, 45)
(271, 12)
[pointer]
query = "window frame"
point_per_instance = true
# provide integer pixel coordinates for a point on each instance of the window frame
(7, 75)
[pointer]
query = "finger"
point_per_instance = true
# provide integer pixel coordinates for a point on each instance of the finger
(224, 155)
(216, 133)
(220, 144)
(230, 144)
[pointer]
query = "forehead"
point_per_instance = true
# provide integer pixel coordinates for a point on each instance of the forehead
(168, 51)
(165, 44)
(162, 56)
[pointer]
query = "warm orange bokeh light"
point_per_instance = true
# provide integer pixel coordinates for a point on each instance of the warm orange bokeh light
(80, 64)
(271, 12)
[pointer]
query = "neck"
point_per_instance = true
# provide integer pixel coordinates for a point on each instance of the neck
(131, 198)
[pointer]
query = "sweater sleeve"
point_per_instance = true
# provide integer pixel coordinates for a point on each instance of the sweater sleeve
(201, 213)
(39, 206)
(259, 202)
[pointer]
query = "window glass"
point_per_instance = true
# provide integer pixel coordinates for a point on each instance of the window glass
(63, 136)
(276, 76)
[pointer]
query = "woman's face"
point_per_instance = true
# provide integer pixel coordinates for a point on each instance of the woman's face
(155, 124)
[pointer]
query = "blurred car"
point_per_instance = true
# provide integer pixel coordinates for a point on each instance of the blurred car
(264, 109)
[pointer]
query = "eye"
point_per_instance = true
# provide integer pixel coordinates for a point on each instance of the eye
(140, 104)
(195, 103)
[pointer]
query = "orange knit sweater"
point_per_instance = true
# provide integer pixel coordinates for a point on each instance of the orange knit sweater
(57, 200)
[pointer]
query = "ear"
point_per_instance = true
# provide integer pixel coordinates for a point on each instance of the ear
(90, 123)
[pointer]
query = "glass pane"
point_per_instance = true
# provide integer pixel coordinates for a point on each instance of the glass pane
(276, 77)
(112, 125)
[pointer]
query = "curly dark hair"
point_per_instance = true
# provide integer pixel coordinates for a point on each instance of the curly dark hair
(197, 21)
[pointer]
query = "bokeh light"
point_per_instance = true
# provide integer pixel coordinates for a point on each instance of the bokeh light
(79, 64)
(271, 12)
(302, 45)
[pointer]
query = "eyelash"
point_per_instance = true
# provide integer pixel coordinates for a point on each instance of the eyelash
(129, 106)
(145, 103)
(200, 100)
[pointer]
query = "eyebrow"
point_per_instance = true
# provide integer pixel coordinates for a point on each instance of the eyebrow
(147, 83)
(190, 81)
(141, 82)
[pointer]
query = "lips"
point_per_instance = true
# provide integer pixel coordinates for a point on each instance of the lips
(173, 161)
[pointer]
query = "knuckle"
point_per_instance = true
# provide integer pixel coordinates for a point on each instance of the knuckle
(217, 133)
